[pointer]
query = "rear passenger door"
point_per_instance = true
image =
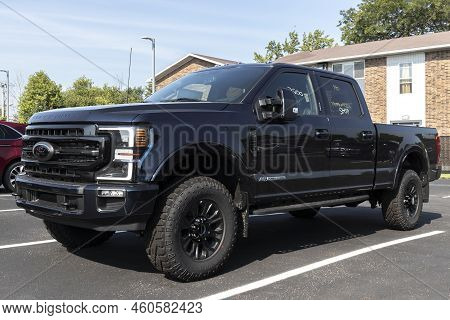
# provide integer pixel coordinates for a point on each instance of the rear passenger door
(352, 148)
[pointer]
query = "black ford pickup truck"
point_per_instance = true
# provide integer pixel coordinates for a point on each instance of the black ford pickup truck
(186, 168)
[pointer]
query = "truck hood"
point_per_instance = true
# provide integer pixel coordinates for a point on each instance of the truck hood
(122, 113)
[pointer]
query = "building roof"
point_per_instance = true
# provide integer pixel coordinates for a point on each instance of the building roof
(218, 61)
(191, 56)
(426, 42)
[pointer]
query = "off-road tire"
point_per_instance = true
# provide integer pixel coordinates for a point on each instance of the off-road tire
(163, 242)
(74, 238)
(305, 213)
(394, 211)
(6, 176)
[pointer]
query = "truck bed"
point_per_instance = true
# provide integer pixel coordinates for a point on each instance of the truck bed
(392, 141)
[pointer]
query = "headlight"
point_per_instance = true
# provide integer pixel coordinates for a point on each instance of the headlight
(127, 146)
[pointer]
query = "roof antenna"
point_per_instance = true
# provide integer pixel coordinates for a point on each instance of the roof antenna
(129, 72)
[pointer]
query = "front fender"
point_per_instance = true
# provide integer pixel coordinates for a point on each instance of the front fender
(229, 156)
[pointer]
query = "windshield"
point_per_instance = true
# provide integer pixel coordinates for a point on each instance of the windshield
(229, 84)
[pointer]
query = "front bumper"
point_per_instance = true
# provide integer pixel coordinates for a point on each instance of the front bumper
(81, 204)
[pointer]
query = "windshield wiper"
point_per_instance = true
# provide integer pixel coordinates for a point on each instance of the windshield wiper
(182, 99)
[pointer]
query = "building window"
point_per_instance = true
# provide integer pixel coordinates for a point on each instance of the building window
(337, 67)
(354, 69)
(405, 77)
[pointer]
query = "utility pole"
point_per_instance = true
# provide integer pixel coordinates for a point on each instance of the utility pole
(3, 106)
(7, 99)
(129, 74)
(154, 62)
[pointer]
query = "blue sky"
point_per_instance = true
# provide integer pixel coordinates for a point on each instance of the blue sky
(104, 31)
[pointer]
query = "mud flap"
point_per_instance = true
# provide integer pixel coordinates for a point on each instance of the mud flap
(426, 192)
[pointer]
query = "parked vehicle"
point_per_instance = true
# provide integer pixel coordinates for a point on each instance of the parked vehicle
(187, 167)
(10, 153)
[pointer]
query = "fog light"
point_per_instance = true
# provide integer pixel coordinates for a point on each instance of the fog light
(111, 193)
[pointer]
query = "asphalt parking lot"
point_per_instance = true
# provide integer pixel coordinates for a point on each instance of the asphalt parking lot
(412, 268)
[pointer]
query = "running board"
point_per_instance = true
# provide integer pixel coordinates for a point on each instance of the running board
(299, 206)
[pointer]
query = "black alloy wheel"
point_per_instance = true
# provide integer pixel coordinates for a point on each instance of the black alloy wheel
(202, 230)
(411, 199)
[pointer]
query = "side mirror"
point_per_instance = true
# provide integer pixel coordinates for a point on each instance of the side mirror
(289, 109)
(281, 108)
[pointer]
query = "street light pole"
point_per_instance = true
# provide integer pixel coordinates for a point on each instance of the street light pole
(154, 62)
(7, 99)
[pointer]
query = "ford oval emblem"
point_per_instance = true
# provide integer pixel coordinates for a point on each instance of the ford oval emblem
(43, 151)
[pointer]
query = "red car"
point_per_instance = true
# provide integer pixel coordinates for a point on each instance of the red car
(10, 153)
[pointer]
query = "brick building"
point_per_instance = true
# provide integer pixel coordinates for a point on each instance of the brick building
(189, 63)
(405, 80)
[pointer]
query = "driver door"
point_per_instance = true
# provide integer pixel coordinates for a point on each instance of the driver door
(291, 157)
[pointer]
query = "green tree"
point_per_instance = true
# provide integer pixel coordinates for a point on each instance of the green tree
(311, 41)
(114, 95)
(274, 50)
(291, 44)
(148, 89)
(375, 20)
(39, 94)
(83, 92)
(136, 94)
(316, 40)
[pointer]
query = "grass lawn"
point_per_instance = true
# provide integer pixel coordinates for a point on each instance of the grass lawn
(445, 176)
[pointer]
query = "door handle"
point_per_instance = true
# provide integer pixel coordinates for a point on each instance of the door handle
(367, 135)
(322, 134)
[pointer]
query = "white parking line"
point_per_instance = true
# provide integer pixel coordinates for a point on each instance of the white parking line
(295, 272)
(5, 195)
(26, 244)
(9, 210)
(446, 197)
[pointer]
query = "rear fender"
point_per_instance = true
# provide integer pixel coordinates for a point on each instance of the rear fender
(424, 160)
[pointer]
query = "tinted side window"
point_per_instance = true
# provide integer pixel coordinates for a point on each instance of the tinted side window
(340, 97)
(8, 133)
(300, 85)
